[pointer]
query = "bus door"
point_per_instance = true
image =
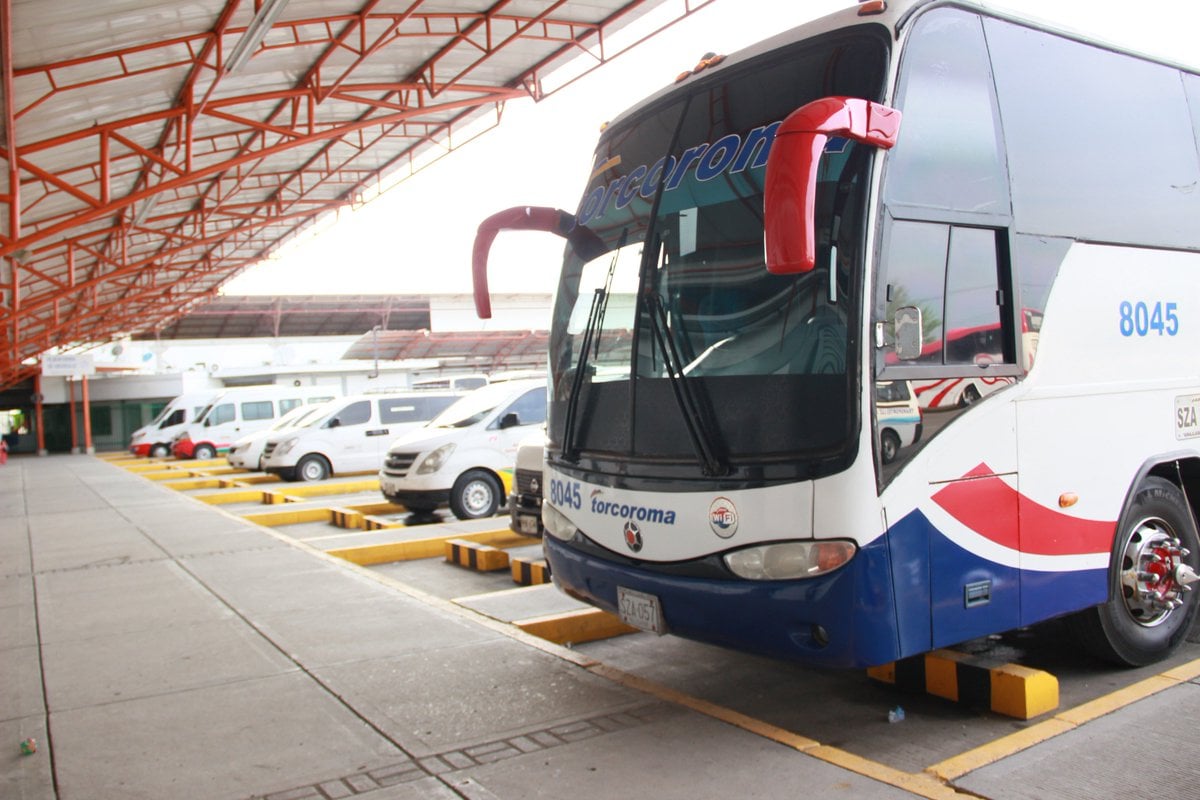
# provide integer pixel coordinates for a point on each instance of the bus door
(946, 264)
(962, 472)
(974, 574)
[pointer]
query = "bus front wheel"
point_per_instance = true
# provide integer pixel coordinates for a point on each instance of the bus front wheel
(1154, 562)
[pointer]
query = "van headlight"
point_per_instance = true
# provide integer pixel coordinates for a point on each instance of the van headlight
(434, 461)
(285, 447)
(790, 560)
(557, 524)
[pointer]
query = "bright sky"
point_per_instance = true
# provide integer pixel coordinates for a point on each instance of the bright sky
(416, 238)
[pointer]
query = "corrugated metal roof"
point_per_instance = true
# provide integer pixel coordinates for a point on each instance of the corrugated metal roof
(297, 315)
(147, 164)
(486, 351)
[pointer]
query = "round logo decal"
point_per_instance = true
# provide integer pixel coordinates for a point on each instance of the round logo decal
(633, 536)
(723, 517)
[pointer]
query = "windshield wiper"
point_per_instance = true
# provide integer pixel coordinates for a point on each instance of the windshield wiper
(695, 416)
(595, 322)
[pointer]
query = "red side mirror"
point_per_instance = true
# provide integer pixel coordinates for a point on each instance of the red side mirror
(789, 199)
(525, 218)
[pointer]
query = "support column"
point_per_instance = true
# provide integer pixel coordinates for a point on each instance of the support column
(87, 421)
(74, 423)
(38, 418)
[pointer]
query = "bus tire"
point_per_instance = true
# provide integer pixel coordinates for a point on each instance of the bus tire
(312, 468)
(1136, 627)
(203, 452)
(476, 494)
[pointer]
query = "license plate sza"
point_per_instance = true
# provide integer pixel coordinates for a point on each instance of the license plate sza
(640, 610)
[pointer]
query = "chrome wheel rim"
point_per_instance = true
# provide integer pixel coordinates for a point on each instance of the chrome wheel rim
(1153, 574)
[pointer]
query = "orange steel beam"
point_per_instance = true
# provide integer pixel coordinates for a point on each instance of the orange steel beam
(87, 266)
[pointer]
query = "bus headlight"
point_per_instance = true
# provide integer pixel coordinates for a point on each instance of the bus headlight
(557, 524)
(434, 461)
(789, 560)
(284, 447)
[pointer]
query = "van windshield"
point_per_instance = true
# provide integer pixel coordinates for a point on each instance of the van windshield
(476, 406)
(202, 417)
(301, 416)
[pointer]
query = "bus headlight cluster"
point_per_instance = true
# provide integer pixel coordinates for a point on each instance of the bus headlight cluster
(556, 523)
(434, 461)
(789, 560)
(286, 445)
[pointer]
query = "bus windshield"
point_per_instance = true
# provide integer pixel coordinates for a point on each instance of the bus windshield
(676, 336)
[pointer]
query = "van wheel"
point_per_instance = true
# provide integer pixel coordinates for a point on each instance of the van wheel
(476, 494)
(203, 452)
(312, 468)
(159, 450)
(889, 446)
(1150, 607)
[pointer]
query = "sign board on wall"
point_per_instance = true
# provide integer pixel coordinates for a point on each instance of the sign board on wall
(68, 365)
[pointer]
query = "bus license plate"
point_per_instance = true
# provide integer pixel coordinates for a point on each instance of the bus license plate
(640, 610)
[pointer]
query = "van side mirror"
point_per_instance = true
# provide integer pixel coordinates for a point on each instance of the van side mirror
(790, 191)
(510, 420)
(335, 422)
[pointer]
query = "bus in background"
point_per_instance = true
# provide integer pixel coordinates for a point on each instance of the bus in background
(713, 466)
(983, 345)
(155, 439)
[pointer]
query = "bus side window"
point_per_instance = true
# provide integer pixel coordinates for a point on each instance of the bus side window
(954, 276)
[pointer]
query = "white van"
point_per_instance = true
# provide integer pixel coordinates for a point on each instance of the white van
(246, 452)
(155, 439)
(235, 412)
(352, 435)
(899, 418)
(465, 455)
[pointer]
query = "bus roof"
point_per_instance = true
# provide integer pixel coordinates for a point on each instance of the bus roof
(894, 17)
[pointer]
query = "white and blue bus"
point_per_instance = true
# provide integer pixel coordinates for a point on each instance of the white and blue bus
(916, 170)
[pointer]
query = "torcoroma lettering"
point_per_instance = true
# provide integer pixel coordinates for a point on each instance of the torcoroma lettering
(732, 153)
(626, 511)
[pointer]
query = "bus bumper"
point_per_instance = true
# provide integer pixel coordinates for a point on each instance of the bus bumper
(843, 619)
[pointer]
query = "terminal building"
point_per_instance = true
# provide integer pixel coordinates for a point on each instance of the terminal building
(355, 343)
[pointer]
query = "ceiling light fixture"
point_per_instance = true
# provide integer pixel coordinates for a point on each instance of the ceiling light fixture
(256, 31)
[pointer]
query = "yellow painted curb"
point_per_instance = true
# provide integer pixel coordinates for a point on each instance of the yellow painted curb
(412, 549)
(273, 519)
(582, 625)
(224, 498)
(193, 483)
(1064, 721)
(322, 488)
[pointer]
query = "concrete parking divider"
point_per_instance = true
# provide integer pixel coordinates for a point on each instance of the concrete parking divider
(478, 556)
(430, 547)
(530, 571)
(1009, 689)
